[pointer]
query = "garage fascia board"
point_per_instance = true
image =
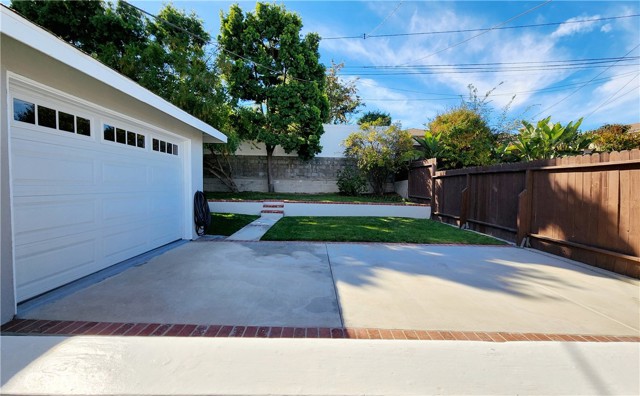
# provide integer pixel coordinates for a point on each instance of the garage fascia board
(29, 34)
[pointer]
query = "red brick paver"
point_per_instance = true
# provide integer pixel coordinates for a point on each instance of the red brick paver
(73, 328)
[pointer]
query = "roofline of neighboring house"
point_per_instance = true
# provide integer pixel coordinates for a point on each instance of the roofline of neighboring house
(34, 36)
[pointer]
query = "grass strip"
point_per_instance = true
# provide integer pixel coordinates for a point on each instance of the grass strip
(372, 229)
(228, 223)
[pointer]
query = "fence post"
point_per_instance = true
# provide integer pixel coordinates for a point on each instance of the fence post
(464, 203)
(525, 209)
(432, 180)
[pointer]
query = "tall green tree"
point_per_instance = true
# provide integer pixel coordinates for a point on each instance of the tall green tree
(375, 116)
(167, 55)
(342, 95)
(275, 78)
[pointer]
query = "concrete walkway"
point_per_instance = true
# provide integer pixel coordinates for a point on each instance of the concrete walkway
(199, 366)
(256, 229)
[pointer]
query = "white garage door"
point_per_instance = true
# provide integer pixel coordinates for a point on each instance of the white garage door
(89, 189)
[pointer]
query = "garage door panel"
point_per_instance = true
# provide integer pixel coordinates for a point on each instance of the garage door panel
(123, 245)
(40, 264)
(42, 219)
(165, 174)
(163, 204)
(160, 232)
(120, 174)
(125, 209)
(44, 169)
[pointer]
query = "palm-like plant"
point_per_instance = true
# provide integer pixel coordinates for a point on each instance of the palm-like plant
(548, 140)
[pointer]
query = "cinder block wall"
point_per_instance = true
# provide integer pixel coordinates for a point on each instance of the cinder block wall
(291, 174)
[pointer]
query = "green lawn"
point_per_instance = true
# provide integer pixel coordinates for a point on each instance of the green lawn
(371, 229)
(228, 223)
(259, 196)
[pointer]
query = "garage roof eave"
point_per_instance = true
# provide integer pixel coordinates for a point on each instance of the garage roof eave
(15, 26)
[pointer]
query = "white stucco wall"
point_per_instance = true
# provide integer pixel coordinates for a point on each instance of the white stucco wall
(331, 142)
(7, 296)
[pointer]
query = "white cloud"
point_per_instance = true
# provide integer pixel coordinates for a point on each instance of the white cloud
(494, 47)
(569, 29)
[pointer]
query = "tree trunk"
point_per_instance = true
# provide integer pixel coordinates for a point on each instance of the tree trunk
(271, 187)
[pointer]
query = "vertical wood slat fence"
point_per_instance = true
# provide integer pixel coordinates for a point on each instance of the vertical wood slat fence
(420, 174)
(586, 208)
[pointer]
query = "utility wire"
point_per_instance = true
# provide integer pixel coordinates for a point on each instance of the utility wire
(454, 96)
(484, 71)
(368, 36)
(582, 86)
(481, 33)
(364, 36)
(609, 99)
(577, 61)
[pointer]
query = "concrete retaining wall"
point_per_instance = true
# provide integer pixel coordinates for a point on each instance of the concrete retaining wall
(326, 209)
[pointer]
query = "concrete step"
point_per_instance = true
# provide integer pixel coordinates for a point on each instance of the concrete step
(273, 205)
(272, 214)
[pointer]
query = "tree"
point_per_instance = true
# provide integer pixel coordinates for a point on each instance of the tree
(167, 55)
(547, 140)
(275, 79)
(342, 95)
(379, 152)
(614, 137)
(464, 138)
(378, 117)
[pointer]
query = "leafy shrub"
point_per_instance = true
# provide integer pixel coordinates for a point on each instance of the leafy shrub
(614, 137)
(351, 181)
(379, 152)
(548, 140)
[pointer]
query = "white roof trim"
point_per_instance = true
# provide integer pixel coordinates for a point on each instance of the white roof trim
(20, 29)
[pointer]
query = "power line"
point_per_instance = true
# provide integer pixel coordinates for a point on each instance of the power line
(610, 97)
(384, 20)
(481, 33)
(584, 60)
(582, 86)
(368, 36)
(485, 70)
(541, 90)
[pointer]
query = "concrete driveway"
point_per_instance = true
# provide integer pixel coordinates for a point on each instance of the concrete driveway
(463, 288)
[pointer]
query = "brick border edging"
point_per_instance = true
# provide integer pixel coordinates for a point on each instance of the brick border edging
(64, 328)
(318, 202)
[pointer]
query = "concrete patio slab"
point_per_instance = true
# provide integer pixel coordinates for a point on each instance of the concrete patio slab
(383, 286)
(477, 288)
(240, 366)
(213, 283)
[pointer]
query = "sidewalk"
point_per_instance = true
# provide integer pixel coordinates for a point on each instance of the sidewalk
(233, 366)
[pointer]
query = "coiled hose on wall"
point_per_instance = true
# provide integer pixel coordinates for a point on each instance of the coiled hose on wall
(202, 214)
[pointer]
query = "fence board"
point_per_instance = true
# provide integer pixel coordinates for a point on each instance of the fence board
(586, 208)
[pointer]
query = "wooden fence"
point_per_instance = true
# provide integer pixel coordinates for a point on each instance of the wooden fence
(420, 174)
(586, 208)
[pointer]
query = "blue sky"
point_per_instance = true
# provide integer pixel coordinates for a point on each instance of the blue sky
(612, 97)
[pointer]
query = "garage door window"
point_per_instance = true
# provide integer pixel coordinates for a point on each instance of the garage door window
(46, 117)
(24, 111)
(122, 136)
(165, 147)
